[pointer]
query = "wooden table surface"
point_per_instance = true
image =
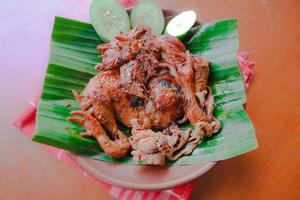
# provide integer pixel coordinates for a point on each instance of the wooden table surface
(268, 28)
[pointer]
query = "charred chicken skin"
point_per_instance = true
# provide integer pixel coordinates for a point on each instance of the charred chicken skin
(150, 84)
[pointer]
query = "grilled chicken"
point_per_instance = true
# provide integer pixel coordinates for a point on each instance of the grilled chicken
(150, 84)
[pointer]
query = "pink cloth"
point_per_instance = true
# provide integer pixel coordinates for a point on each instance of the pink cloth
(247, 67)
(26, 123)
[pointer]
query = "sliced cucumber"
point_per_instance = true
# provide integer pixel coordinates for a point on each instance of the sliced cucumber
(108, 18)
(149, 14)
(181, 23)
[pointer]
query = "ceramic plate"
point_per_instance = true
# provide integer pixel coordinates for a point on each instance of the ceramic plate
(143, 177)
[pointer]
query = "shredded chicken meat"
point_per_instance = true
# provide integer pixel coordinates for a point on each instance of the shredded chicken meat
(151, 84)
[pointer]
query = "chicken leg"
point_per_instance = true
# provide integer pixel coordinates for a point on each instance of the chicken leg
(116, 149)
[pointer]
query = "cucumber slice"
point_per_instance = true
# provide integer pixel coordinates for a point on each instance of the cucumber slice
(108, 18)
(149, 14)
(181, 23)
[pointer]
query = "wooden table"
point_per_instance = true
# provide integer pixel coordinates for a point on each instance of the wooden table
(268, 28)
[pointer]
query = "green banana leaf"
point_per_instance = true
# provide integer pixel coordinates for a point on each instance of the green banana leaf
(73, 56)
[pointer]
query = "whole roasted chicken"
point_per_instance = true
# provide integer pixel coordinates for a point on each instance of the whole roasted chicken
(150, 84)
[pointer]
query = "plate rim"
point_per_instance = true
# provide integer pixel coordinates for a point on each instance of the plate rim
(81, 161)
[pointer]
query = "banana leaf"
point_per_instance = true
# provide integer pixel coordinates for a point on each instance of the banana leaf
(73, 56)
